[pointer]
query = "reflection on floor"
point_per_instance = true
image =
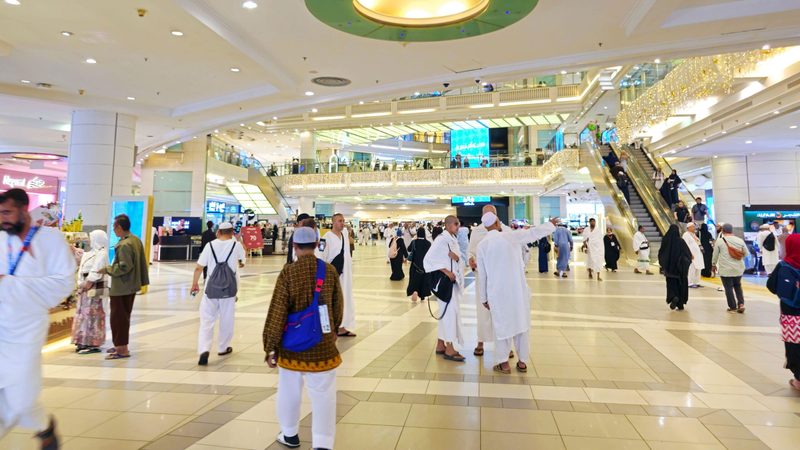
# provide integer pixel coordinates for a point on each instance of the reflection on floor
(612, 368)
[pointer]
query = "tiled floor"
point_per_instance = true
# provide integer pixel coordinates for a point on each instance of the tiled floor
(612, 368)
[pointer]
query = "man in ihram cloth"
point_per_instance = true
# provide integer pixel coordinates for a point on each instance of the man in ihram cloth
(37, 272)
(504, 289)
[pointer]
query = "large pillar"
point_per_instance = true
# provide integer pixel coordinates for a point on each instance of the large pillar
(763, 178)
(308, 151)
(101, 156)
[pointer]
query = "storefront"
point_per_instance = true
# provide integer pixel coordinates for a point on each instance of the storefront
(41, 189)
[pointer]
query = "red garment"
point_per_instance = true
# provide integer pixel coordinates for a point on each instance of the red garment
(793, 250)
(790, 328)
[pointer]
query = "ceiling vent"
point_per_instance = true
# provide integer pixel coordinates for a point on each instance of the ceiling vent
(331, 81)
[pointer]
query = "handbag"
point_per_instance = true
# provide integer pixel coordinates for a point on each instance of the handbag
(338, 261)
(303, 329)
(734, 253)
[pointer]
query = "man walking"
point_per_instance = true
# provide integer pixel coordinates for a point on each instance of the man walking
(641, 246)
(290, 257)
(505, 291)
(37, 272)
(728, 260)
(562, 239)
(128, 272)
(337, 252)
(222, 257)
(699, 211)
(299, 286)
(595, 248)
(698, 263)
(205, 238)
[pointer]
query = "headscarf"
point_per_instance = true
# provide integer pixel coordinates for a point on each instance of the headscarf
(674, 255)
(98, 239)
(793, 251)
(705, 237)
(421, 233)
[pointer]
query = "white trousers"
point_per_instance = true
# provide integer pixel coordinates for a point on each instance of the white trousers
(449, 328)
(502, 347)
(212, 309)
(322, 392)
(19, 399)
(483, 315)
(643, 260)
(694, 275)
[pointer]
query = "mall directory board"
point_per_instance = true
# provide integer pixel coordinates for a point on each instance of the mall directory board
(140, 211)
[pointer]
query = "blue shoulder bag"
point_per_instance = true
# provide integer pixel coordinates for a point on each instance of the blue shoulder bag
(303, 328)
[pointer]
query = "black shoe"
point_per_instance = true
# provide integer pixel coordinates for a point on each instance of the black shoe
(289, 441)
(228, 351)
(203, 359)
(48, 437)
(673, 304)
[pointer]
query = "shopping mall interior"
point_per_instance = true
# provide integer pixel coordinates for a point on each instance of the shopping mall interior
(398, 114)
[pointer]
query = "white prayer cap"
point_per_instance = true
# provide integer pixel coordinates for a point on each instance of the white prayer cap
(225, 226)
(489, 219)
(304, 235)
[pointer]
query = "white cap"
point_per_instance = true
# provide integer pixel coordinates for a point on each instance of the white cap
(304, 235)
(225, 226)
(489, 219)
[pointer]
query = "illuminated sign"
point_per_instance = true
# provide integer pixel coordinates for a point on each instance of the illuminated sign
(472, 144)
(36, 184)
(470, 200)
(215, 207)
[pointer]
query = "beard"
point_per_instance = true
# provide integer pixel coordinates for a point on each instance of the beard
(13, 228)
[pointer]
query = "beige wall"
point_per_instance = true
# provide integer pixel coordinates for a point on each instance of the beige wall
(192, 159)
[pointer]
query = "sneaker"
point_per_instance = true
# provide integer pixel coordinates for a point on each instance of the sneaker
(203, 361)
(289, 441)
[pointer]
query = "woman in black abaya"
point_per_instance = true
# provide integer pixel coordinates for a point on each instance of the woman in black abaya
(611, 244)
(675, 258)
(417, 281)
(707, 243)
(397, 261)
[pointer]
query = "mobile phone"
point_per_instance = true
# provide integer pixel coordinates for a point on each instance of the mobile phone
(321, 245)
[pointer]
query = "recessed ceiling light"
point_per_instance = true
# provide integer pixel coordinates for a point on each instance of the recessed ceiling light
(704, 139)
(776, 112)
(235, 69)
(793, 127)
(715, 156)
(274, 117)
(13, 2)
(765, 47)
(66, 33)
(724, 132)
(563, 72)
(748, 142)
(309, 93)
(176, 33)
(657, 61)
(241, 124)
(747, 123)
(249, 5)
(313, 110)
(131, 98)
(91, 61)
(25, 81)
(216, 131)
(361, 102)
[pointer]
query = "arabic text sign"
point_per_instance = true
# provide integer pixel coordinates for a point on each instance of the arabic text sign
(36, 184)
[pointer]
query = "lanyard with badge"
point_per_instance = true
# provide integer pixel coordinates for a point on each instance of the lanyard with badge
(14, 262)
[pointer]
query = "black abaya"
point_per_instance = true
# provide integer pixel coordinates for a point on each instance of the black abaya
(544, 250)
(417, 279)
(675, 258)
(397, 261)
(612, 251)
(708, 249)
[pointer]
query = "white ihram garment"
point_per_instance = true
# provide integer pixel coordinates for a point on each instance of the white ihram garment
(333, 246)
(768, 258)
(505, 288)
(698, 263)
(438, 258)
(642, 255)
(222, 309)
(596, 255)
(322, 393)
(484, 316)
(45, 276)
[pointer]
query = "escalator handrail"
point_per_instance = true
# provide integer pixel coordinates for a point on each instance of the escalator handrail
(651, 198)
(659, 163)
(260, 167)
(618, 197)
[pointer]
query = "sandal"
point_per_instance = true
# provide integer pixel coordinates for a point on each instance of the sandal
(227, 351)
(112, 350)
(115, 355)
(795, 384)
(346, 334)
(499, 368)
(457, 357)
(440, 352)
(478, 351)
(89, 351)
(522, 369)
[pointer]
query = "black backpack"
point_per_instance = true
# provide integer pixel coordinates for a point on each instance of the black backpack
(769, 243)
(222, 282)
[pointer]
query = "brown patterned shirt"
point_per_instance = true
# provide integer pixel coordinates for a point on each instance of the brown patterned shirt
(294, 291)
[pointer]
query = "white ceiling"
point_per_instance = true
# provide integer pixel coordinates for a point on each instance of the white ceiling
(183, 85)
(774, 135)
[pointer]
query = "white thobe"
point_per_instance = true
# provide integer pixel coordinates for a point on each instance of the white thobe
(484, 317)
(768, 258)
(438, 258)
(333, 246)
(596, 254)
(218, 309)
(698, 263)
(505, 289)
(45, 276)
(643, 255)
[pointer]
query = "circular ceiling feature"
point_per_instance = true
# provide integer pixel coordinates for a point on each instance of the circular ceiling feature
(37, 156)
(420, 13)
(420, 20)
(331, 81)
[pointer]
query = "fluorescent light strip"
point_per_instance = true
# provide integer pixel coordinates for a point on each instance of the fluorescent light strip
(568, 99)
(482, 105)
(375, 114)
(417, 111)
(526, 102)
(322, 118)
(418, 183)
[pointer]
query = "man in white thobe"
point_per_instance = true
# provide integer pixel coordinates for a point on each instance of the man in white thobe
(504, 289)
(484, 317)
(223, 250)
(445, 256)
(768, 257)
(33, 279)
(698, 263)
(337, 247)
(595, 248)
(641, 246)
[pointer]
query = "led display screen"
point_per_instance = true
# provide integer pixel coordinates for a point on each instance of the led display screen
(472, 144)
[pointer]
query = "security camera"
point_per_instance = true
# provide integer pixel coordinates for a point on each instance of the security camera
(477, 81)
(141, 12)
(446, 85)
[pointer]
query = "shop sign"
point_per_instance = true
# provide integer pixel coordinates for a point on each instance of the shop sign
(36, 184)
(251, 238)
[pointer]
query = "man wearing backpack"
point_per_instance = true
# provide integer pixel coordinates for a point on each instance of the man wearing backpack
(223, 257)
(728, 260)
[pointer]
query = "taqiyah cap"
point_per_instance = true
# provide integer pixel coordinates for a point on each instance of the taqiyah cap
(225, 226)
(305, 235)
(488, 219)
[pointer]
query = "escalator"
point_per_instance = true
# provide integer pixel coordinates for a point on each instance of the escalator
(257, 175)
